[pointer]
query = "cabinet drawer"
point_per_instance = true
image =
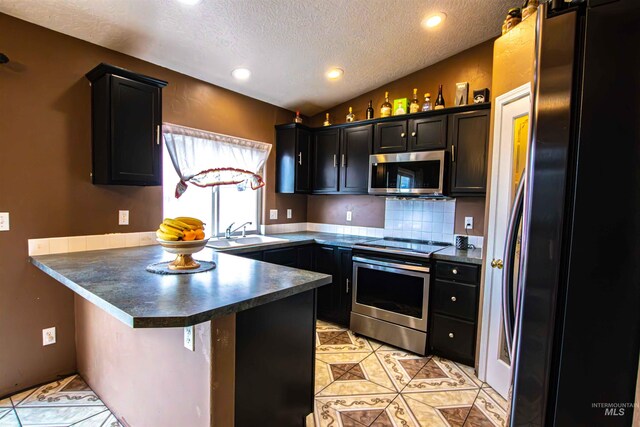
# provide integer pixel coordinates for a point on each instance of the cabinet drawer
(455, 299)
(457, 272)
(453, 338)
(287, 256)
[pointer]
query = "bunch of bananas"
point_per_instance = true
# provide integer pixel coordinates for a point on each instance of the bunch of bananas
(181, 228)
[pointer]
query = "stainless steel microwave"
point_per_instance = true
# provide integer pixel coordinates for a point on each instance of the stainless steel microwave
(419, 173)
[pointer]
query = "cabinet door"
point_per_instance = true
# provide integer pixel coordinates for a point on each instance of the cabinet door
(390, 137)
(305, 257)
(346, 285)
(326, 148)
(286, 160)
(286, 256)
(468, 141)
(328, 295)
(135, 139)
(429, 133)
(355, 148)
(303, 161)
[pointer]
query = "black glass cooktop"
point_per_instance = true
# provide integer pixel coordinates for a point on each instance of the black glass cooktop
(401, 246)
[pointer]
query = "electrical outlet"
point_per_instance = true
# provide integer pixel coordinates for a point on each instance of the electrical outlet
(123, 217)
(189, 339)
(348, 215)
(289, 213)
(468, 222)
(49, 336)
(4, 221)
(273, 213)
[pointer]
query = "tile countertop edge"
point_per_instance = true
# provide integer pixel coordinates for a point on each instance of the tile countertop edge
(99, 302)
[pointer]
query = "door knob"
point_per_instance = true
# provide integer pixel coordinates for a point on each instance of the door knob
(497, 263)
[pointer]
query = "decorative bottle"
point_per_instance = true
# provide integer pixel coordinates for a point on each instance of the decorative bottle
(426, 106)
(385, 109)
(327, 122)
(439, 99)
(351, 117)
(414, 107)
(370, 110)
(297, 118)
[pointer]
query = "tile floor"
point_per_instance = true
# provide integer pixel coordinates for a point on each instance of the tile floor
(67, 402)
(360, 382)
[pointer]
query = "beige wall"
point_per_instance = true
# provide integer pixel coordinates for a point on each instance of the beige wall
(45, 162)
(171, 385)
(367, 211)
(473, 65)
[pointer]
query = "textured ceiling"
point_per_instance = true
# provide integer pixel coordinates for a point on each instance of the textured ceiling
(287, 44)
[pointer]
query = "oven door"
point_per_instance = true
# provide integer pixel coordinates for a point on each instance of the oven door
(419, 173)
(391, 291)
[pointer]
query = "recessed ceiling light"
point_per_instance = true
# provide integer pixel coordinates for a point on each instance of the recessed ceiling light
(434, 20)
(190, 2)
(335, 73)
(241, 73)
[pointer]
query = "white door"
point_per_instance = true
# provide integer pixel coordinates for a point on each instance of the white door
(510, 143)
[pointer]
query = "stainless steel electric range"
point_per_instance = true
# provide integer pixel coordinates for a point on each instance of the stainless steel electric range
(391, 291)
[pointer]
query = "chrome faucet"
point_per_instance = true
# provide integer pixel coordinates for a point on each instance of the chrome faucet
(228, 232)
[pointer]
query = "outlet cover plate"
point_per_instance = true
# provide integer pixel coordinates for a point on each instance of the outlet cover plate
(273, 213)
(468, 222)
(49, 336)
(289, 214)
(123, 217)
(349, 215)
(189, 339)
(4, 221)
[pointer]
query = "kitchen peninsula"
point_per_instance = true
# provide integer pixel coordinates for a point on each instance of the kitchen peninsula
(254, 337)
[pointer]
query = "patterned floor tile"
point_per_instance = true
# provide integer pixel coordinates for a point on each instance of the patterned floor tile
(103, 419)
(6, 403)
(410, 413)
(8, 418)
(501, 401)
(364, 377)
(440, 374)
(69, 391)
(471, 373)
(331, 366)
(486, 412)
(401, 366)
(341, 341)
(351, 411)
(452, 406)
(56, 415)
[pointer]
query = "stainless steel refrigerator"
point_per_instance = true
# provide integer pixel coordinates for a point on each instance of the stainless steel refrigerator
(574, 309)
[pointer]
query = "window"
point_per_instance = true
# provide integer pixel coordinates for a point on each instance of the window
(217, 206)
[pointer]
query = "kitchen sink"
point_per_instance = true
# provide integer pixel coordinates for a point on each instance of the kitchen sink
(239, 242)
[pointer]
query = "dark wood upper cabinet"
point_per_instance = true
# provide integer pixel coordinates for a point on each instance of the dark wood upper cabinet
(355, 148)
(468, 142)
(326, 152)
(126, 122)
(293, 159)
(428, 133)
(390, 137)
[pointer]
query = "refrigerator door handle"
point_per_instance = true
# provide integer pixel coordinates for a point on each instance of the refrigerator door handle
(508, 314)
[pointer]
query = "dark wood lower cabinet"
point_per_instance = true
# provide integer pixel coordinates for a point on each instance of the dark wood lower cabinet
(334, 300)
(276, 388)
(454, 311)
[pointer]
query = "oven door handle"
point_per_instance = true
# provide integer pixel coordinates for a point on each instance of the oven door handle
(391, 264)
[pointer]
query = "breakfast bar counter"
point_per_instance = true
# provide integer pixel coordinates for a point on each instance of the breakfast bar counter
(252, 325)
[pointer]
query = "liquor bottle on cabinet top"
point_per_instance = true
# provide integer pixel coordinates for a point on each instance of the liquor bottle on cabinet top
(327, 122)
(297, 118)
(351, 117)
(370, 110)
(385, 109)
(427, 102)
(414, 107)
(439, 99)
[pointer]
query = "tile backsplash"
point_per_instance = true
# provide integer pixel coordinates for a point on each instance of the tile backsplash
(420, 219)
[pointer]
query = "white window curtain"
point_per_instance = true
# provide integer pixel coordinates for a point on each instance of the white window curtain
(207, 159)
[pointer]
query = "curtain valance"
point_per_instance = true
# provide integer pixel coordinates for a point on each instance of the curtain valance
(207, 159)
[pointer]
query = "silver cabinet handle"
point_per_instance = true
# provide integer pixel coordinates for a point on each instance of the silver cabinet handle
(453, 153)
(300, 158)
(158, 135)
(344, 161)
(402, 134)
(454, 271)
(454, 299)
(347, 286)
(335, 161)
(451, 335)
(413, 134)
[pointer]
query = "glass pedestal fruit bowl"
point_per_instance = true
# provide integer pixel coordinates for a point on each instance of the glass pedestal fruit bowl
(184, 251)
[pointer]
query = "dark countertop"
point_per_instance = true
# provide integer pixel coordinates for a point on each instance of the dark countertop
(471, 256)
(116, 281)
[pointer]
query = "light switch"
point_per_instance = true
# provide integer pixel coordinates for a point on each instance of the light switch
(123, 217)
(4, 221)
(189, 341)
(348, 215)
(273, 213)
(49, 336)
(289, 214)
